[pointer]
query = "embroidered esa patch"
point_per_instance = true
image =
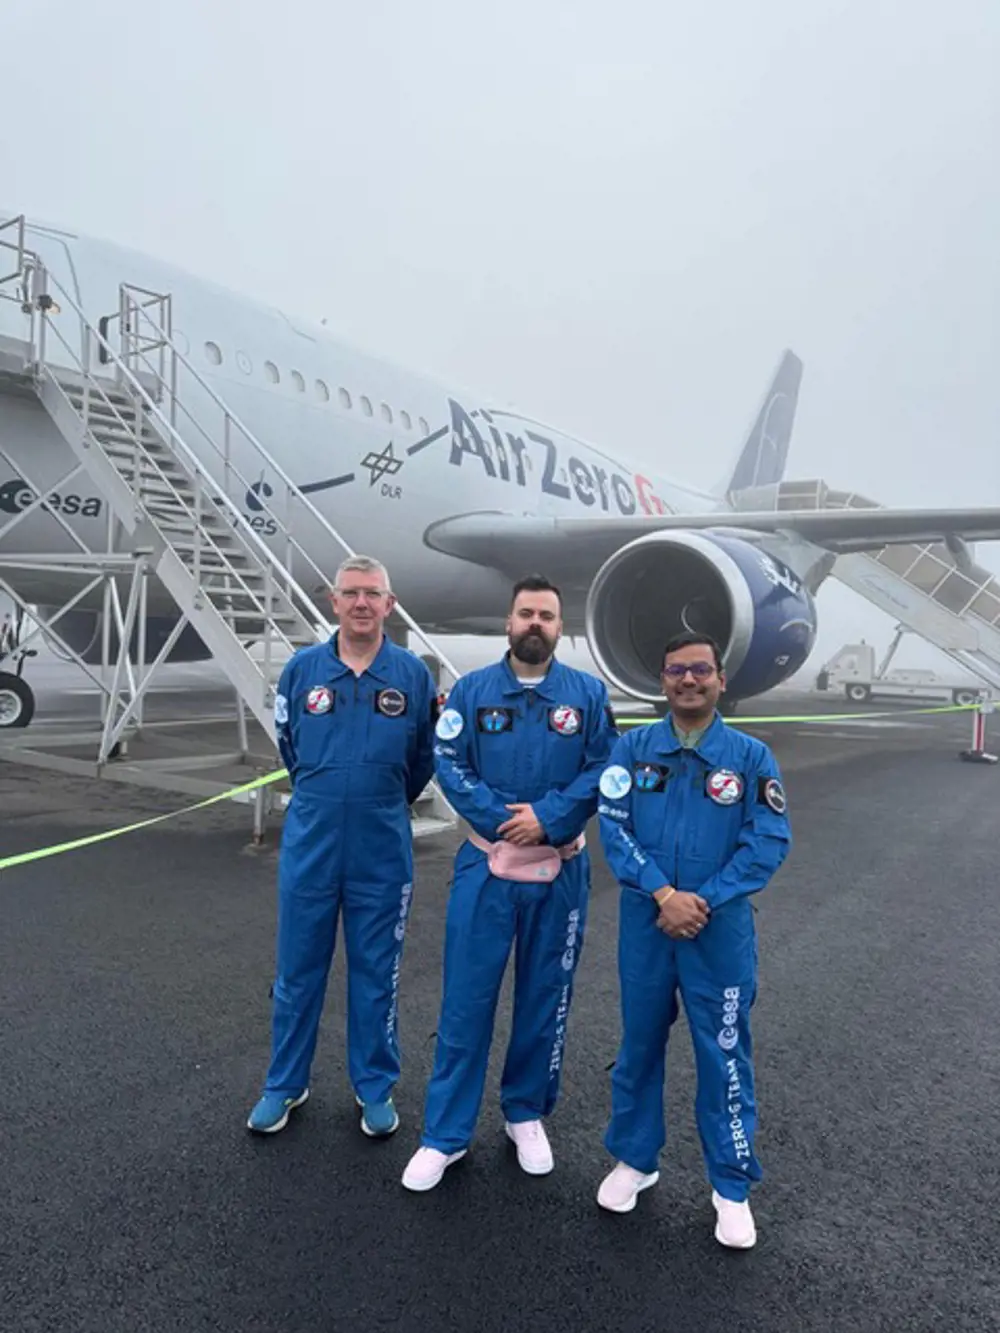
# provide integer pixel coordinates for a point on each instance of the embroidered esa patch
(724, 786)
(319, 700)
(390, 703)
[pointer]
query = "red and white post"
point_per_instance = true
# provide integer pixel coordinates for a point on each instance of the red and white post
(978, 754)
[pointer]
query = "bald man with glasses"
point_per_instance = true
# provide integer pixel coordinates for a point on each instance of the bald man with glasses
(354, 719)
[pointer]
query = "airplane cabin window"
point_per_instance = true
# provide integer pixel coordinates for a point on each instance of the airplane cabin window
(424, 426)
(322, 392)
(345, 398)
(298, 381)
(386, 412)
(405, 417)
(366, 405)
(214, 353)
(271, 371)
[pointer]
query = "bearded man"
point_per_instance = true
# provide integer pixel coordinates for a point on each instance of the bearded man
(519, 751)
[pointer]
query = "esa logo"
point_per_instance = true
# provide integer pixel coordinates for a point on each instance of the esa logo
(17, 495)
(258, 520)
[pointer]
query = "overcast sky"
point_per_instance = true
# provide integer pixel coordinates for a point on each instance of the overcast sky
(615, 217)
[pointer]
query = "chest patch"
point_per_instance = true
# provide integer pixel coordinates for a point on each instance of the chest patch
(565, 720)
(724, 786)
(650, 777)
(319, 700)
(390, 703)
(494, 720)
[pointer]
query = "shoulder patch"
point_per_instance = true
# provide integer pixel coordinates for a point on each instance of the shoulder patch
(449, 724)
(771, 793)
(610, 719)
(616, 782)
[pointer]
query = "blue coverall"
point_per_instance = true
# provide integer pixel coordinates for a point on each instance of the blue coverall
(498, 743)
(359, 751)
(710, 820)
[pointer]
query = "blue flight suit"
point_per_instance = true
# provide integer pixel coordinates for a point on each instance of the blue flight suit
(499, 742)
(710, 820)
(359, 751)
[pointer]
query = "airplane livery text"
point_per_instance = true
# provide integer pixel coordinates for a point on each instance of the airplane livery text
(502, 458)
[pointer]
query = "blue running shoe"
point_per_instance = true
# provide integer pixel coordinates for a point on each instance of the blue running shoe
(378, 1119)
(272, 1111)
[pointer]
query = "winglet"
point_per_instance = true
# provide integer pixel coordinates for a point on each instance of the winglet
(765, 450)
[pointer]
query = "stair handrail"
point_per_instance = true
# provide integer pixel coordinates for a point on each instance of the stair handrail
(271, 463)
(240, 521)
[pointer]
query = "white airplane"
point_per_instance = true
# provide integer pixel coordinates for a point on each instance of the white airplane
(455, 495)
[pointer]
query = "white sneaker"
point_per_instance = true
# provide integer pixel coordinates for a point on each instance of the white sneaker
(427, 1166)
(534, 1154)
(735, 1226)
(621, 1188)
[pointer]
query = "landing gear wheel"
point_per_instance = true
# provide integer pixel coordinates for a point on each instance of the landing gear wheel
(858, 693)
(964, 696)
(17, 702)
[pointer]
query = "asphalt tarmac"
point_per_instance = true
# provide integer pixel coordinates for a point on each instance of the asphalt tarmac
(134, 981)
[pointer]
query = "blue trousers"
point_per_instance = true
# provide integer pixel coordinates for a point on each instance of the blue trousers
(486, 916)
(375, 917)
(716, 975)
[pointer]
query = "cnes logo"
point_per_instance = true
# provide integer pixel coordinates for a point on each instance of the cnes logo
(17, 495)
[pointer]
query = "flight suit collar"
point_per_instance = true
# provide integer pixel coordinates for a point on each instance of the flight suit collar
(545, 689)
(378, 669)
(711, 747)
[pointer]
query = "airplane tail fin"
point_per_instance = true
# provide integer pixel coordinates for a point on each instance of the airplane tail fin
(762, 459)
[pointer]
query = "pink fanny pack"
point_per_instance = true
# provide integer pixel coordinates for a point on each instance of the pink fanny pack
(526, 865)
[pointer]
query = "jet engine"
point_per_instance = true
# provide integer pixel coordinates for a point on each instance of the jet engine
(757, 610)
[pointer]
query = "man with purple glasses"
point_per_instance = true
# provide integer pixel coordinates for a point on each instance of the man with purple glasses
(693, 822)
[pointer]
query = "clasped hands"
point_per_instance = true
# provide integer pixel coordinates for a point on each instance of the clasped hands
(682, 915)
(523, 828)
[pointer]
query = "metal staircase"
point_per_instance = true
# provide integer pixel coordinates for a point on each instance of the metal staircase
(175, 506)
(937, 592)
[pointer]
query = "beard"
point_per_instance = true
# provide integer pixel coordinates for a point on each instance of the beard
(532, 647)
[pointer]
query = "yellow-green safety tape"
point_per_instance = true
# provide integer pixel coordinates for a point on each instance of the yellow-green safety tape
(824, 717)
(8, 862)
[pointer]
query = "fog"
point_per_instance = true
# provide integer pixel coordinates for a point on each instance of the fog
(614, 219)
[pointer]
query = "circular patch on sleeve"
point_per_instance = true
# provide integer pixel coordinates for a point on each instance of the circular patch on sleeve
(774, 796)
(449, 724)
(280, 710)
(616, 782)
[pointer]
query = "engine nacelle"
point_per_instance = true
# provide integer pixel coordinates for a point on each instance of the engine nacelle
(759, 612)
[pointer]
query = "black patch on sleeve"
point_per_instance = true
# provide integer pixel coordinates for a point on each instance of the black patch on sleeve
(771, 793)
(609, 717)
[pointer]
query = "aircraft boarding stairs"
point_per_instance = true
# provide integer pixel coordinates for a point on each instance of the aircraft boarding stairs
(934, 590)
(169, 476)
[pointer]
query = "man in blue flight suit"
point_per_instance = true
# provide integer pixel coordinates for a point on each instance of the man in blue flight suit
(692, 819)
(520, 749)
(355, 725)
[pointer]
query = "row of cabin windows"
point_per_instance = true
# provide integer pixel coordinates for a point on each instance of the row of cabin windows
(213, 353)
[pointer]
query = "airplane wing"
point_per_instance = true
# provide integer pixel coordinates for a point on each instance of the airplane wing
(511, 542)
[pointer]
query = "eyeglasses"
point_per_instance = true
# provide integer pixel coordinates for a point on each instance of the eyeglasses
(678, 670)
(352, 594)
